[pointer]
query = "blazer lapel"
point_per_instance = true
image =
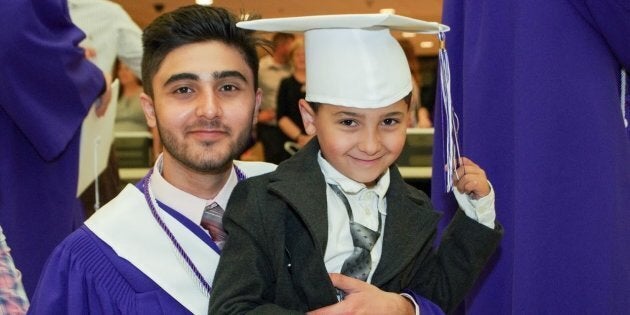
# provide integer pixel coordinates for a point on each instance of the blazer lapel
(306, 192)
(409, 224)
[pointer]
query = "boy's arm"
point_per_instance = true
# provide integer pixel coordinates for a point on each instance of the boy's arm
(474, 193)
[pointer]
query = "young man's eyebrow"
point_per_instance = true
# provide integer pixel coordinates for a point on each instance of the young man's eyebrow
(180, 77)
(195, 77)
(227, 74)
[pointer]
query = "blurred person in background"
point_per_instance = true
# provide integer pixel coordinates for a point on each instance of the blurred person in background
(420, 116)
(292, 89)
(111, 34)
(273, 68)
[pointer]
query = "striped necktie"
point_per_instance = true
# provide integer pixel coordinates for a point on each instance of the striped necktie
(212, 220)
(359, 263)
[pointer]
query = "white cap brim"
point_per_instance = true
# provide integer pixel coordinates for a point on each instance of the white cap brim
(305, 23)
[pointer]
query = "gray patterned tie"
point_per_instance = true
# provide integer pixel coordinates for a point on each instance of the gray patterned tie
(212, 220)
(359, 263)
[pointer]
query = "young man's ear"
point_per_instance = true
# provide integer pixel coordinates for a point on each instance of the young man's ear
(149, 109)
(308, 117)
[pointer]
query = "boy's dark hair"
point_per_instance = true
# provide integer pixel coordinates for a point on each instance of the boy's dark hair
(194, 24)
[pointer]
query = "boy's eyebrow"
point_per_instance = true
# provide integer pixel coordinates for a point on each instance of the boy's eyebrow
(195, 77)
(394, 113)
(344, 113)
(354, 114)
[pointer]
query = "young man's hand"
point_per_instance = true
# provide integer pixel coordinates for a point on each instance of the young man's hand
(364, 298)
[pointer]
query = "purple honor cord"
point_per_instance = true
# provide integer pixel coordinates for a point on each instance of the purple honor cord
(204, 285)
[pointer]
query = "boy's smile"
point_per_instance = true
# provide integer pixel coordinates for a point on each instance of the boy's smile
(360, 143)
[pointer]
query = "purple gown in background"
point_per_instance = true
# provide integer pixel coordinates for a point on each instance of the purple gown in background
(536, 85)
(46, 89)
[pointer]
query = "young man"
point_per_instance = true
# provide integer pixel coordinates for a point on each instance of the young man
(145, 251)
(340, 204)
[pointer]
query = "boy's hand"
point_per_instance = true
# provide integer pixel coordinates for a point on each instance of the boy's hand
(472, 179)
(364, 298)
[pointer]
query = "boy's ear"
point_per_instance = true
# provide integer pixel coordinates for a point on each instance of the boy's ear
(308, 117)
(149, 109)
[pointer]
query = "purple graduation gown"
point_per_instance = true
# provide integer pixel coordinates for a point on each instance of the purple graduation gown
(536, 85)
(85, 276)
(46, 89)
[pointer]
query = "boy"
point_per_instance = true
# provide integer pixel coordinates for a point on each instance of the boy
(339, 204)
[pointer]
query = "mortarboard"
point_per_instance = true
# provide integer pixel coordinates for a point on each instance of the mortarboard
(352, 59)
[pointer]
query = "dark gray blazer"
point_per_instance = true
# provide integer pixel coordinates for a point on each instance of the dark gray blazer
(273, 261)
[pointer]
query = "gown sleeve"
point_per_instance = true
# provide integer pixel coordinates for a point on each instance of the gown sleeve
(46, 81)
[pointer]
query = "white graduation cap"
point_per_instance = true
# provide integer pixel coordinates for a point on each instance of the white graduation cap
(352, 59)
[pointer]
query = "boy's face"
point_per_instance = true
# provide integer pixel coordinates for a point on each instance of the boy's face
(359, 143)
(203, 105)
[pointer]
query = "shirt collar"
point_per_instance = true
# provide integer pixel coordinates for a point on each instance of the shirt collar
(188, 205)
(349, 186)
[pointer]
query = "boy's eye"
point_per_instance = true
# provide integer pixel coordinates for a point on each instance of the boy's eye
(390, 121)
(348, 122)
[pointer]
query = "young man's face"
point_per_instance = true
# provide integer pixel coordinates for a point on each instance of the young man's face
(203, 105)
(359, 143)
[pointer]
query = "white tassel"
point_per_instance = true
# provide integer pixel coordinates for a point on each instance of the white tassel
(449, 118)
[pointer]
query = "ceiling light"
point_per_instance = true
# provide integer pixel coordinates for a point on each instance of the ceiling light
(408, 34)
(204, 2)
(388, 11)
(426, 44)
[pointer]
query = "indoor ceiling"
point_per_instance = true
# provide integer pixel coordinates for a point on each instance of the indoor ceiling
(144, 11)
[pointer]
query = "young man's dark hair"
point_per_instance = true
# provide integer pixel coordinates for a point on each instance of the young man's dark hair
(182, 26)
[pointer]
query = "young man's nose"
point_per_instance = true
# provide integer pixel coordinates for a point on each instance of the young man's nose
(209, 106)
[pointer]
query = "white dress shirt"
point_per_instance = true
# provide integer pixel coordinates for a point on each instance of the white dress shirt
(191, 206)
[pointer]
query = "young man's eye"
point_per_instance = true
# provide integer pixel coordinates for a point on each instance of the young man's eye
(228, 88)
(183, 90)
